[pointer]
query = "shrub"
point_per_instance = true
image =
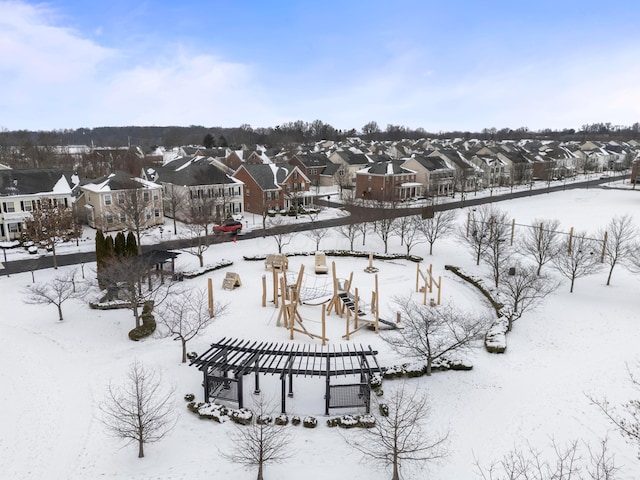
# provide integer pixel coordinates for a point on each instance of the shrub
(265, 419)
(309, 422)
(384, 409)
(295, 420)
(282, 420)
(192, 355)
(241, 416)
(189, 397)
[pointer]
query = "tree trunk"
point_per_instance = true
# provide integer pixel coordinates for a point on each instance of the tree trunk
(573, 279)
(201, 259)
(59, 311)
(609, 277)
(140, 448)
(184, 350)
(55, 260)
(429, 361)
(396, 472)
(430, 248)
(260, 471)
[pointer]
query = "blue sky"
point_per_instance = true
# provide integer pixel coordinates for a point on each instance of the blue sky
(439, 65)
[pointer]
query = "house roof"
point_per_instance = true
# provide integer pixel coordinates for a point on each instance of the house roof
(117, 180)
(36, 181)
(430, 163)
(311, 159)
(267, 176)
(386, 168)
(192, 171)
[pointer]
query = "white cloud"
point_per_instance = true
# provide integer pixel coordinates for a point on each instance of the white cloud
(53, 77)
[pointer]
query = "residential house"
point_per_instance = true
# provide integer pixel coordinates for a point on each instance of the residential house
(188, 178)
(22, 191)
(467, 177)
(435, 176)
(273, 187)
(311, 164)
(109, 202)
(350, 162)
(387, 182)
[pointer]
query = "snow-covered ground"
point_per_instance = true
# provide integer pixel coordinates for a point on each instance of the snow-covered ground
(54, 374)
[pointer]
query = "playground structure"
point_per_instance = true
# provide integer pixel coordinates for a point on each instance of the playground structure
(291, 291)
(231, 281)
(427, 284)
(321, 262)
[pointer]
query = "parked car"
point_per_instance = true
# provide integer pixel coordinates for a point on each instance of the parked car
(230, 226)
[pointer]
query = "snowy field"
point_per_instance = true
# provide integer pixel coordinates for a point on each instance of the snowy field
(54, 373)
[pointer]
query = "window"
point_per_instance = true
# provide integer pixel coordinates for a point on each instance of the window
(9, 207)
(155, 195)
(14, 227)
(156, 213)
(28, 205)
(247, 192)
(107, 200)
(123, 217)
(147, 213)
(109, 219)
(145, 196)
(121, 198)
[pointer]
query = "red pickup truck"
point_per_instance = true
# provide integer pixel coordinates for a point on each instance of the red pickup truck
(230, 226)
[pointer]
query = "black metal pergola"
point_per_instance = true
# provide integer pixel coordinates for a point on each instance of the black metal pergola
(225, 364)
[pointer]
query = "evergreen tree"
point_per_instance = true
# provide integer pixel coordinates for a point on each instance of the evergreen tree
(209, 141)
(222, 142)
(120, 245)
(132, 245)
(100, 255)
(109, 249)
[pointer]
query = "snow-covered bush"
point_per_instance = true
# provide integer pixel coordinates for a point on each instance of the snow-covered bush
(295, 420)
(241, 416)
(282, 420)
(309, 422)
(189, 397)
(264, 419)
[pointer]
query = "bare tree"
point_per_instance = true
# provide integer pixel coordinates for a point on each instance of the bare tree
(201, 217)
(540, 241)
(51, 224)
(176, 200)
(618, 237)
(349, 231)
(400, 436)
(187, 315)
(564, 462)
(55, 292)
(523, 291)
(139, 410)
(125, 280)
(281, 231)
(626, 422)
(438, 226)
(409, 230)
(477, 233)
(384, 226)
(132, 205)
(260, 443)
(496, 253)
(578, 257)
(363, 228)
(316, 234)
(431, 333)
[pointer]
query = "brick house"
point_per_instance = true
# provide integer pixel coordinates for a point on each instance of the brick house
(273, 187)
(387, 182)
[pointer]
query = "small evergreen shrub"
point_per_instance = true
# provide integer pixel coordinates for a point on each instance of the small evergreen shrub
(264, 419)
(282, 420)
(189, 397)
(384, 409)
(192, 355)
(295, 420)
(309, 422)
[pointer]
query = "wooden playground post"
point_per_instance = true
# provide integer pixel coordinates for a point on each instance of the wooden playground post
(430, 277)
(513, 230)
(468, 222)
(210, 285)
(604, 247)
(439, 289)
(324, 327)
(377, 306)
(275, 287)
(355, 310)
(264, 290)
(570, 241)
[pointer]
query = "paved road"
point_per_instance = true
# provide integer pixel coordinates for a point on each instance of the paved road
(370, 214)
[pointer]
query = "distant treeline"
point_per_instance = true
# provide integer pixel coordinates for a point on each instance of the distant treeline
(289, 133)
